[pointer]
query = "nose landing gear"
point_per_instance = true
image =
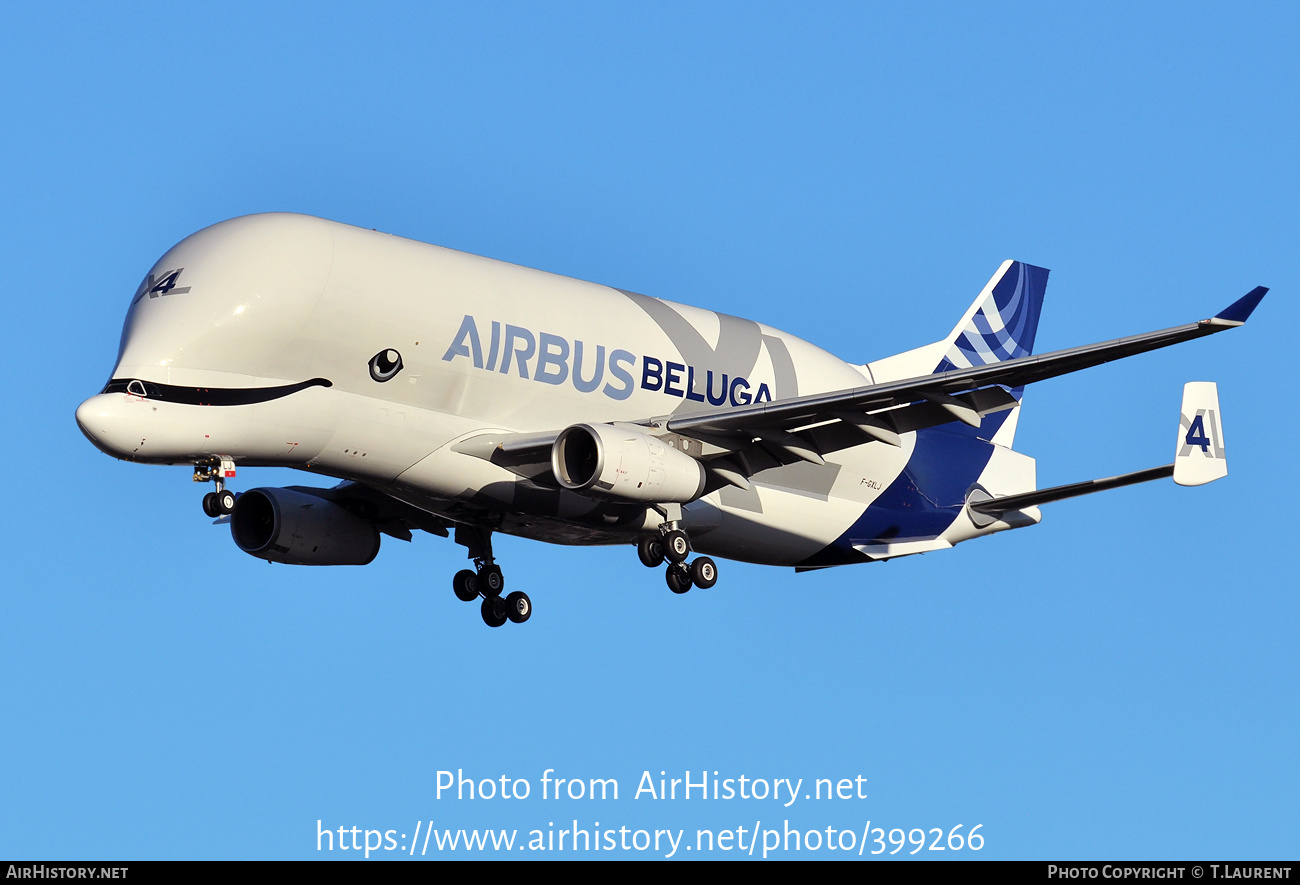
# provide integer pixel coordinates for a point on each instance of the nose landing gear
(672, 544)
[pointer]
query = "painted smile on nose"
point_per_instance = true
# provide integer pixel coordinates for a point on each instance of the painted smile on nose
(122, 418)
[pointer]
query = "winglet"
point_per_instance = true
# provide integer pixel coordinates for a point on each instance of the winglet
(1240, 310)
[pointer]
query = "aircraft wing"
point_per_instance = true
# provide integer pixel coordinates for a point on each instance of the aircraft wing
(736, 442)
(955, 388)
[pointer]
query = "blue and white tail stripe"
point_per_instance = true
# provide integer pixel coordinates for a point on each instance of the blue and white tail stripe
(1002, 323)
(928, 495)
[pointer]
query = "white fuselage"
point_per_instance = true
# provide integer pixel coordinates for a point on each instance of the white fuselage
(486, 347)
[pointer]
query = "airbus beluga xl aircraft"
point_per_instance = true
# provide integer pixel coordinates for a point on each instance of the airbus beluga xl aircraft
(463, 396)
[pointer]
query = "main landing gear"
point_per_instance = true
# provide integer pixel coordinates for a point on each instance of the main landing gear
(487, 581)
(216, 470)
(673, 545)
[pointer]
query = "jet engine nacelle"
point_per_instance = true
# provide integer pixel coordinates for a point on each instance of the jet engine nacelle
(283, 525)
(619, 462)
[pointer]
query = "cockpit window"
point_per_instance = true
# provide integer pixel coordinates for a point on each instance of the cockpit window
(133, 386)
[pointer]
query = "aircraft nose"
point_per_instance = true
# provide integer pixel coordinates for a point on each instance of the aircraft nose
(101, 420)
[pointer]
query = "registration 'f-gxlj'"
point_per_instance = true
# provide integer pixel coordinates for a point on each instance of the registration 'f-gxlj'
(463, 396)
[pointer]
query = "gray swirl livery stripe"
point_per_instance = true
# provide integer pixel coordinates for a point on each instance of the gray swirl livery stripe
(208, 396)
(740, 343)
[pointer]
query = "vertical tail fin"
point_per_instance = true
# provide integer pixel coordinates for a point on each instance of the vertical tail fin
(1000, 324)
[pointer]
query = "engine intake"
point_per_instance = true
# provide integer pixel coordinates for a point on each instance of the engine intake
(618, 462)
(284, 525)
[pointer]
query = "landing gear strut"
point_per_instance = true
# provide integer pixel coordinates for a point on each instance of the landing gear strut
(216, 470)
(487, 581)
(672, 544)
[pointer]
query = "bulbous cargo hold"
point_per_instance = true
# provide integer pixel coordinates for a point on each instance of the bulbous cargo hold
(283, 525)
(604, 460)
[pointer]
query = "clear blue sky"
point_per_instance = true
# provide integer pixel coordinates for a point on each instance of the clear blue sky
(1120, 681)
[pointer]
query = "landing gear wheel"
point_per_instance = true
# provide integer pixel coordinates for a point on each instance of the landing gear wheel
(676, 546)
(494, 611)
(490, 580)
(210, 505)
(465, 584)
(226, 501)
(519, 607)
(679, 577)
(704, 573)
(651, 551)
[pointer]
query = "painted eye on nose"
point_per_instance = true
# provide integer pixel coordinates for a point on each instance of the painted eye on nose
(385, 364)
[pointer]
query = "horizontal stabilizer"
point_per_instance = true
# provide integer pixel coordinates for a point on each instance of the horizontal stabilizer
(1198, 459)
(993, 506)
(888, 550)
